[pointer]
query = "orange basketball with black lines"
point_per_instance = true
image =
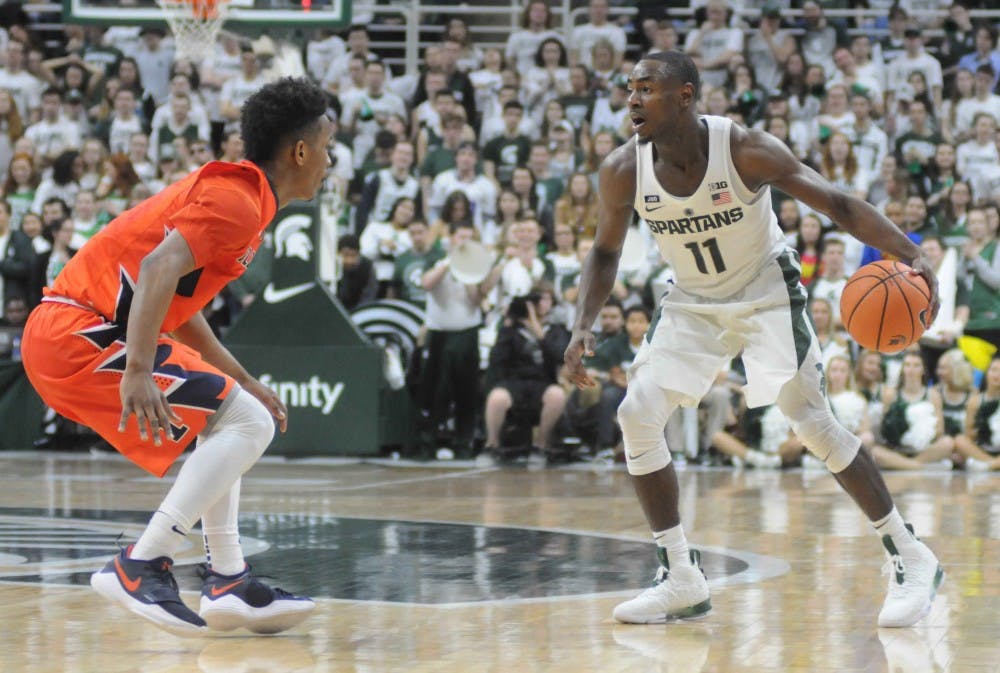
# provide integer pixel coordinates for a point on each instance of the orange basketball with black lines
(885, 307)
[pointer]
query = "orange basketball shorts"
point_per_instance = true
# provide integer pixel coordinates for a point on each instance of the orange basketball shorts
(75, 359)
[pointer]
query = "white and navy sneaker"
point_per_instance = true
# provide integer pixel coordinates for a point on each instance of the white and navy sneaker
(677, 593)
(914, 578)
(232, 601)
(148, 589)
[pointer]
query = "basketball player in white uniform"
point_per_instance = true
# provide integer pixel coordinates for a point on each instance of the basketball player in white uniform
(702, 186)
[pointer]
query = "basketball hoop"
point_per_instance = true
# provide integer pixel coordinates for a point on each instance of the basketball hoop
(195, 25)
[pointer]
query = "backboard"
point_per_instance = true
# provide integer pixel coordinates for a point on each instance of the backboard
(257, 14)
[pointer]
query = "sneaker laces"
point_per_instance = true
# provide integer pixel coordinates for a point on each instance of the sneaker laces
(894, 566)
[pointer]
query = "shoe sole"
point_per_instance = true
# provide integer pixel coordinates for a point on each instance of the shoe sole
(938, 581)
(689, 614)
(229, 613)
(108, 586)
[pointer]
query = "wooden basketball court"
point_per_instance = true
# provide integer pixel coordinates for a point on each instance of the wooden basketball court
(430, 568)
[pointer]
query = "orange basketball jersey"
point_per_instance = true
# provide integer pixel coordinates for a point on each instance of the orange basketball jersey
(221, 210)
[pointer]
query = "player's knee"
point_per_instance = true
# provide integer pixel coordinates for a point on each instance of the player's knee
(645, 447)
(827, 439)
(248, 416)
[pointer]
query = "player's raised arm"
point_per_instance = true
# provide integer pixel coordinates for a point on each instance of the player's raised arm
(762, 159)
(616, 196)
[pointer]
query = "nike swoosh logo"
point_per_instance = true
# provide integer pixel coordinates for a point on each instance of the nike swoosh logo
(275, 296)
(649, 209)
(178, 531)
(218, 591)
(130, 585)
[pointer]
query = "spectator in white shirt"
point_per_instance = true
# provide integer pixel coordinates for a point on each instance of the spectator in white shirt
(973, 156)
(481, 191)
(124, 121)
(585, 36)
(154, 59)
(522, 45)
(336, 78)
(24, 87)
(713, 45)
(983, 100)
(325, 48)
(237, 89)
(370, 111)
(138, 154)
(913, 59)
(181, 84)
(52, 134)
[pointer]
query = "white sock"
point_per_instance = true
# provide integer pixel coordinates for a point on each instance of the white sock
(892, 524)
(163, 536)
(239, 437)
(222, 534)
(675, 543)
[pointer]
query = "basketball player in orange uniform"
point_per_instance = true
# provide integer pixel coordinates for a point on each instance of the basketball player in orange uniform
(119, 343)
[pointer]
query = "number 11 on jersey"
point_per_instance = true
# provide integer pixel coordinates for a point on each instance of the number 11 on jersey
(712, 245)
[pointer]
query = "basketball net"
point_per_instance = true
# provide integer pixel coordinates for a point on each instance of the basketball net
(195, 25)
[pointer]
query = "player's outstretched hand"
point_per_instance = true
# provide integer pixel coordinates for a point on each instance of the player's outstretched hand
(582, 343)
(142, 397)
(269, 399)
(923, 267)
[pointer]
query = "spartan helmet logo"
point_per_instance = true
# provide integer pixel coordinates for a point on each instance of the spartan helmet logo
(291, 238)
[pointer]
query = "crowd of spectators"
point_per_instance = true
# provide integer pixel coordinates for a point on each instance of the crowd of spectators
(899, 105)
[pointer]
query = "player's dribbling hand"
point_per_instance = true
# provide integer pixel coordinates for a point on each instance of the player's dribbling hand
(582, 343)
(142, 397)
(269, 399)
(923, 267)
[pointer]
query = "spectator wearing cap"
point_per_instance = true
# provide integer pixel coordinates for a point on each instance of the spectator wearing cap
(75, 112)
(713, 45)
(153, 59)
(585, 36)
(481, 190)
(502, 154)
(982, 101)
(893, 45)
(820, 37)
(914, 59)
(959, 38)
(52, 134)
(566, 156)
(769, 47)
(536, 26)
(985, 53)
(611, 113)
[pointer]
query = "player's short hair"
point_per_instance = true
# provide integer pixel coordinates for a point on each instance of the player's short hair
(679, 65)
(279, 112)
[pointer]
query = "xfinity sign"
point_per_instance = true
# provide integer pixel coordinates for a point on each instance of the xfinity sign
(313, 393)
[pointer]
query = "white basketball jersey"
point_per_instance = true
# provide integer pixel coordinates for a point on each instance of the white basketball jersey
(718, 239)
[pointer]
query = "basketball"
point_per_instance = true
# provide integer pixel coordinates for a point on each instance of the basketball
(884, 307)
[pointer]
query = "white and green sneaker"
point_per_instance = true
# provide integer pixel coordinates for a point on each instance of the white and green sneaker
(914, 578)
(677, 593)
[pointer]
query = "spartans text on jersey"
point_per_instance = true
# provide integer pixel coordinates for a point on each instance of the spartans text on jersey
(696, 224)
